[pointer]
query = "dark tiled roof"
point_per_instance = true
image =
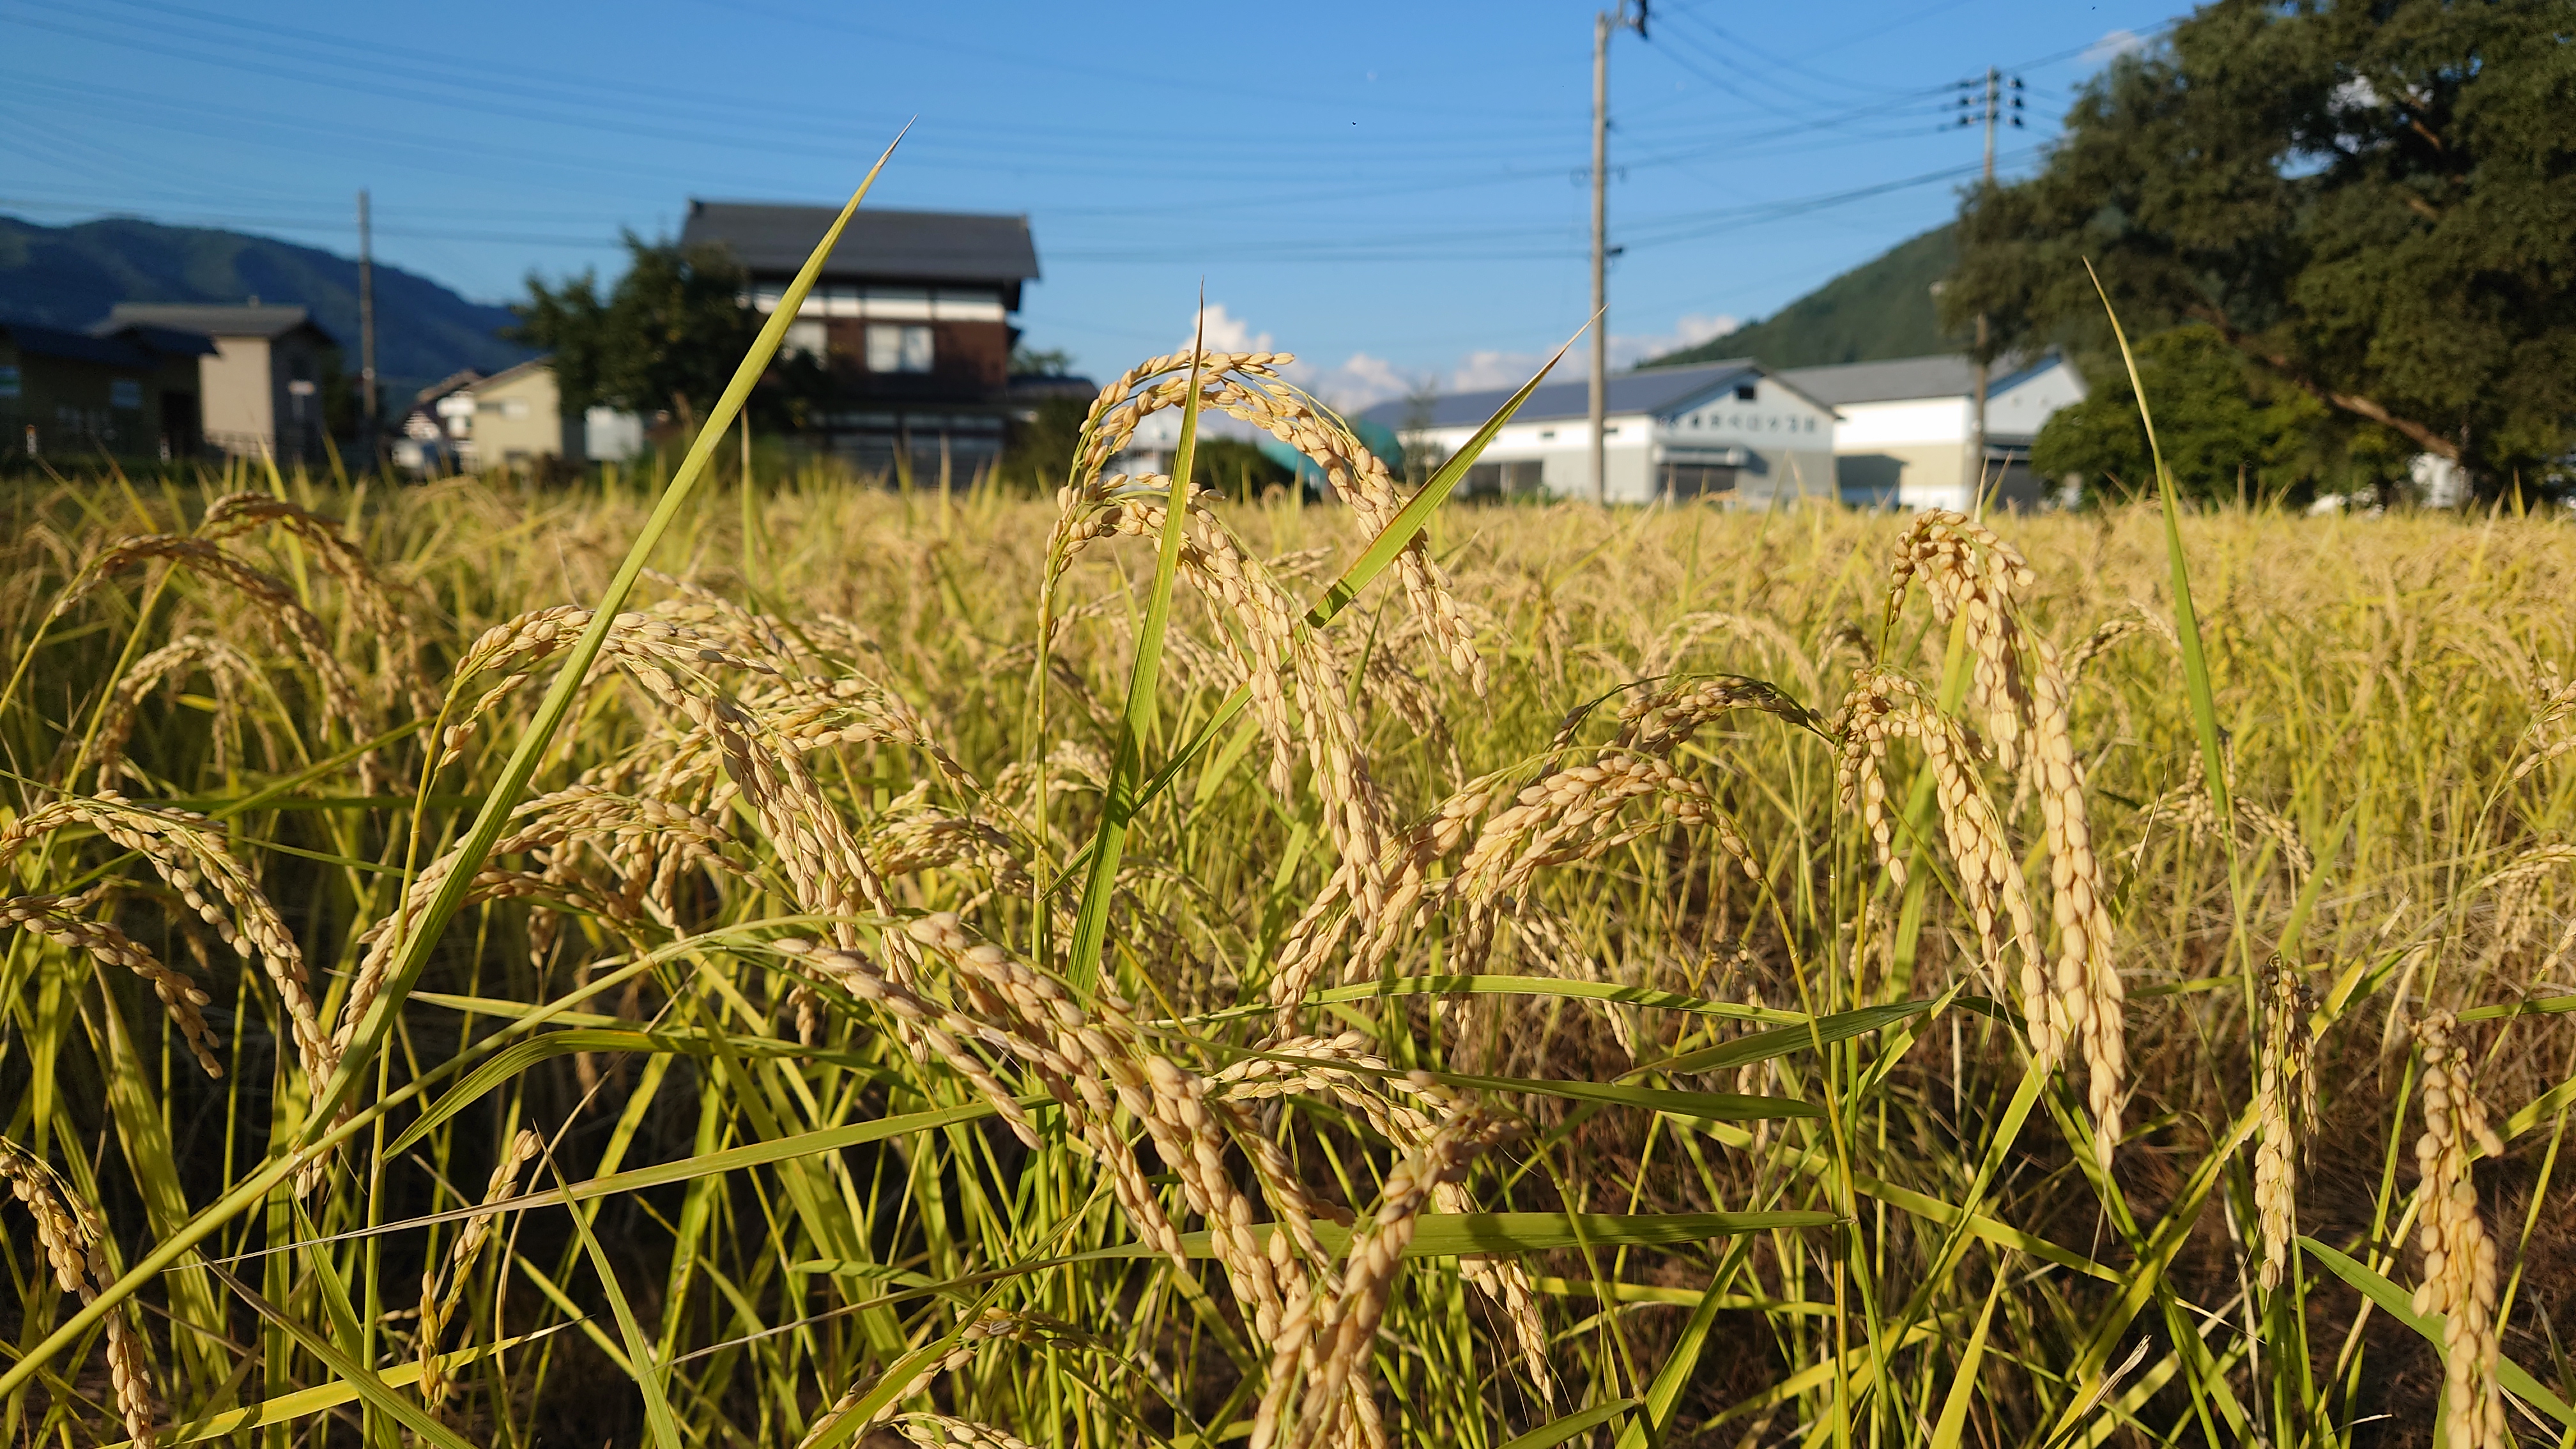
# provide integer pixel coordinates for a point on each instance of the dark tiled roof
(168, 341)
(463, 377)
(1655, 390)
(78, 347)
(1030, 386)
(213, 319)
(924, 246)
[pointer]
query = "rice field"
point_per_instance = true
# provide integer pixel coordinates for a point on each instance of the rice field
(784, 961)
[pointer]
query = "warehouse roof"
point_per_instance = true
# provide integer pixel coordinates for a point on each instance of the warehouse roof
(925, 246)
(1940, 375)
(1656, 390)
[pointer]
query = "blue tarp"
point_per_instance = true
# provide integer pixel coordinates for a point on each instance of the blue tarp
(1379, 439)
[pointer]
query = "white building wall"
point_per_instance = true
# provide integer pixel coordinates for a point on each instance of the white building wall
(1781, 442)
(2021, 411)
(1906, 423)
(610, 436)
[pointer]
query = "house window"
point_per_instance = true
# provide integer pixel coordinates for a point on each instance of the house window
(806, 336)
(1519, 478)
(9, 385)
(125, 392)
(1696, 480)
(1744, 392)
(893, 348)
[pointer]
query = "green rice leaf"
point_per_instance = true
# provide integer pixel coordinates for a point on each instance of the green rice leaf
(286, 1408)
(1382, 551)
(1780, 1041)
(420, 937)
(1451, 1235)
(1704, 1106)
(1555, 1432)
(1665, 1390)
(1144, 684)
(506, 1065)
(1416, 513)
(1549, 986)
(361, 1380)
(2397, 1303)
(649, 1373)
(2195, 662)
(1953, 1423)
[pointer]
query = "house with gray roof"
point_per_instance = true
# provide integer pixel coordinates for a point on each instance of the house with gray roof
(1907, 435)
(71, 394)
(910, 322)
(1732, 431)
(260, 388)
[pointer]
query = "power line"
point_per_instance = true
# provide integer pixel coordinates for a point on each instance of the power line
(1737, 42)
(547, 104)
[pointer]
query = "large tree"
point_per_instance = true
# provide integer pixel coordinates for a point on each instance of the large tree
(2372, 202)
(2225, 433)
(667, 338)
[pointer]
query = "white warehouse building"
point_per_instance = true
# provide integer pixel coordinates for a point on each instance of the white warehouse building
(1906, 438)
(1732, 430)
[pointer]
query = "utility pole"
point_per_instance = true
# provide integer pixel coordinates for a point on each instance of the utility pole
(1990, 112)
(367, 328)
(1602, 24)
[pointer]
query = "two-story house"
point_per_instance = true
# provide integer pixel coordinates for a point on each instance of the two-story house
(260, 389)
(911, 320)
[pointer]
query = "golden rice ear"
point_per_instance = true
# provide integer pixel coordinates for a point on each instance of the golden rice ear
(2285, 1100)
(54, 918)
(436, 1308)
(70, 1230)
(2462, 1271)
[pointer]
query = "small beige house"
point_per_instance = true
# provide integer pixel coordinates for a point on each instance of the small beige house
(513, 419)
(260, 391)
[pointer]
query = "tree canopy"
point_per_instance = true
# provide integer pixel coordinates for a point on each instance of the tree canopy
(668, 337)
(2224, 433)
(2374, 203)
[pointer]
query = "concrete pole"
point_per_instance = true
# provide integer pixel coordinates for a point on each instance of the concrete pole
(1600, 252)
(1977, 441)
(367, 328)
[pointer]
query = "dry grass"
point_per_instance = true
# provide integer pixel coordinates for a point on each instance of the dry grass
(1668, 957)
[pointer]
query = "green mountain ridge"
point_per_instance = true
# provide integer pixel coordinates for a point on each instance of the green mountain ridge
(1878, 310)
(70, 276)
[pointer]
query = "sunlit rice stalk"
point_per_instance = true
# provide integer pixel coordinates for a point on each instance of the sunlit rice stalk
(1452, 1065)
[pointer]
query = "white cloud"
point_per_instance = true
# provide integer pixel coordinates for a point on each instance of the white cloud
(2111, 47)
(1226, 332)
(1363, 380)
(1627, 350)
(1485, 370)
(1360, 381)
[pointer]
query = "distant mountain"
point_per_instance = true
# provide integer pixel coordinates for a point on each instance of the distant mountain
(69, 276)
(1879, 310)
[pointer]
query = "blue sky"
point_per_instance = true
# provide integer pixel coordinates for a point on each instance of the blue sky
(1393, 191)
